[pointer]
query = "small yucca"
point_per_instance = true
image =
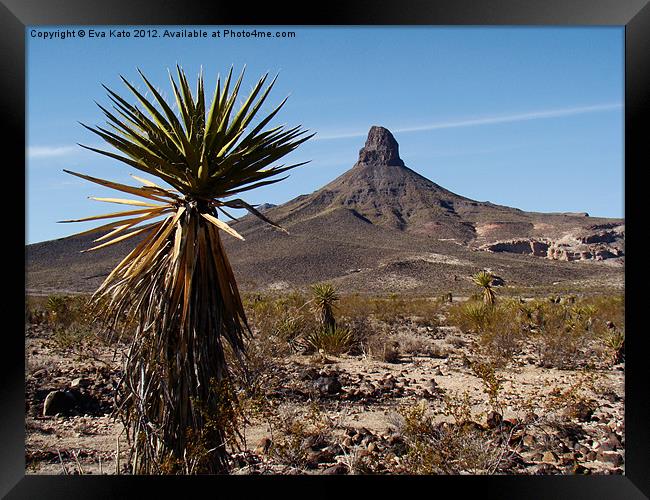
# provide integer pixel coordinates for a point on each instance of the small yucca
(325, 297)
(484, 280)
(334, 341)
(177, 281)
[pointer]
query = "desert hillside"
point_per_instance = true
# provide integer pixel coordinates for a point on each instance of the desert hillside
(381, 228)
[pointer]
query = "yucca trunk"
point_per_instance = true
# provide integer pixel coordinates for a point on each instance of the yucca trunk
(176, 399)
(327, 317)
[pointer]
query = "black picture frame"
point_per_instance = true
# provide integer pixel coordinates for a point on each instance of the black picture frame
(15, 15)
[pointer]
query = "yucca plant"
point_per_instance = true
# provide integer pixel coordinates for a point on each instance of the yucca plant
(176, 398)
(331, 340)
(484, 280)
(615, 342)
(325, 296)
(476, 315)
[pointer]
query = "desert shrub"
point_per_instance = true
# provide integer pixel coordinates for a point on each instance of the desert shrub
(64, 311)
(288, 329)
(355, 306)
(381, 345)
(610, 308)
(456, 342)
(389, 352)
(502, 337)
(337, 340)
(492, 383)
(69, 320)
(418, 344)
(448, 447)
(295, 433)
(614, 342)
(473, 316)
(564, 333)
(389, 311)
(278, 322)
(393, 309)
(574, 401)
(71, 337)
(35, 314)
(361, 330)
(498, 327)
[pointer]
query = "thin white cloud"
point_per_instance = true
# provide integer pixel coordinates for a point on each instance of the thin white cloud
(50, 151)
(486, 120)
(37, 152)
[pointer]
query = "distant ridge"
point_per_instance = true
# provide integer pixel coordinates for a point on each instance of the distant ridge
(381, 227)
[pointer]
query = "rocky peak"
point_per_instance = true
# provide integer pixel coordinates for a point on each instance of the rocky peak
(381, 149)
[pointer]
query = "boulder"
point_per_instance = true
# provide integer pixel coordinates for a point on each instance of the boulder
(336, 469)
(328, 385)
(59, 402)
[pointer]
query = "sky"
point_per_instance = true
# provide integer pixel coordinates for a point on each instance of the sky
(526, 117)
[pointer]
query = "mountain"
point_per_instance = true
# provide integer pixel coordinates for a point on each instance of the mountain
(381, 227)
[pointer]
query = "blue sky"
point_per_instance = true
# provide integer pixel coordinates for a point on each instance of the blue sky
(526, 117)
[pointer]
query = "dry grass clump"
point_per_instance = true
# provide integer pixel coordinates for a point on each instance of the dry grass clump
(295, 323)
(66, 316)
(615, 343)
(71, 321)
(441, 447)
(297, 435)
(363, 325)
(387, 351)
(63, 311)
(393, 309)
(471, 316)
(383, 327)
(392, 348)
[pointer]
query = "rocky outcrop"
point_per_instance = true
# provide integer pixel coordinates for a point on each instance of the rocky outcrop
(599, 245)
(381, 148)
(520, 246)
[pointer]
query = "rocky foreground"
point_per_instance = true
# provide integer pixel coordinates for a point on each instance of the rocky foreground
(427, 407)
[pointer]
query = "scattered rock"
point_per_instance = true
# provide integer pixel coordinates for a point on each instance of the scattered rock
(309, 374)
(528, 440)
(81, 382)
(58, 402)
(611, 457)
(544, 468)
(336, 469)
(580, 469)
(582, 411)
(494, 419)
(328, 385)
(319, 457)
